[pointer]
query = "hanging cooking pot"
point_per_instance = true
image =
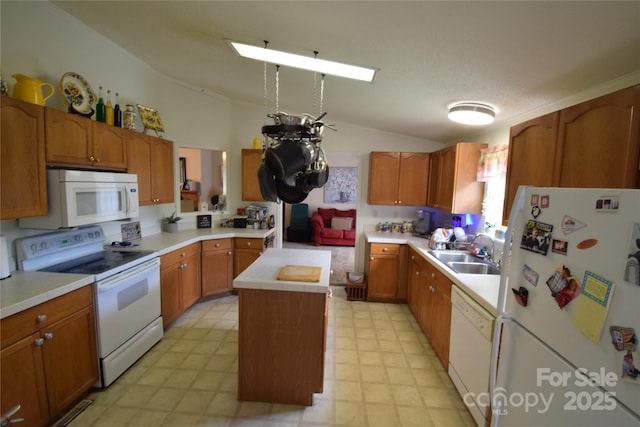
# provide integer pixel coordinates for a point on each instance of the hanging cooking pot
(285, 159)
(267, 182)
(290, 194)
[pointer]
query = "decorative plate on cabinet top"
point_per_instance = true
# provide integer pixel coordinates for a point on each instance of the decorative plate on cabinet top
(77, 92)
(150, 119)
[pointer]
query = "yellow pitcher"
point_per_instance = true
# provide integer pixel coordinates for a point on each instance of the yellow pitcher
(29, 89)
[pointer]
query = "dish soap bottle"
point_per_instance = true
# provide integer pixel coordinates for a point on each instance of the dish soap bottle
(117, 113)
(109, 109)
(100, 108)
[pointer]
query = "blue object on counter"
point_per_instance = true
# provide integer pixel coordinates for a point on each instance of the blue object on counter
(123, 244)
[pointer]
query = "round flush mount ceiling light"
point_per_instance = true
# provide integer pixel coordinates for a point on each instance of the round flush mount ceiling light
(472, 113)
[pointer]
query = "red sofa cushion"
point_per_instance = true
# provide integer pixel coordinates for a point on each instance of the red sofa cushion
(350, 234)
(326, 215)
(332, 233)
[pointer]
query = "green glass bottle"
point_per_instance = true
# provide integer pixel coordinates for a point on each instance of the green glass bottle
(101, 111)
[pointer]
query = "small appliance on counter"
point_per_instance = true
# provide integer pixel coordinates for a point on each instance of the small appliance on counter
(423, 226)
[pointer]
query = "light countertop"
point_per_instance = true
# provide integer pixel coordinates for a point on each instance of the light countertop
(483, 288)
(263, 273)
(23, 290)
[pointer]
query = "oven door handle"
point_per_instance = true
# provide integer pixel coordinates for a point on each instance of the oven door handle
(118, 279)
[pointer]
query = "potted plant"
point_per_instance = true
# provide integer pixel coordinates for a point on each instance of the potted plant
(169, 224)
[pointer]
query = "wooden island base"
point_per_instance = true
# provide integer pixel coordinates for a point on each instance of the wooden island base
(282, 338)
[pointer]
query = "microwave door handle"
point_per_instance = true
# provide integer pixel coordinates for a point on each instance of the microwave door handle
(127, 199)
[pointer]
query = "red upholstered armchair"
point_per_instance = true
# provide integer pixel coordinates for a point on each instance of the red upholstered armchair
(334, 227)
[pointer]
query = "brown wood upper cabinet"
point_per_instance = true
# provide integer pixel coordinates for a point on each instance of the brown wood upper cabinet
(251, 160)
(594, 144)
(398, 178)
(532, 147)
(22, 161)
(452, 179)
(151, 159)
(73, 140)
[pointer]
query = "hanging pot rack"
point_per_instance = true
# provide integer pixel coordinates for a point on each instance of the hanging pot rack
(293, 161)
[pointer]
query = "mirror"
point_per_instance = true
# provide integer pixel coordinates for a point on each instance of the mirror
(203, 174)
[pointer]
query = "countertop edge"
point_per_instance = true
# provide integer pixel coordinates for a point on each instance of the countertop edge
(23, 290)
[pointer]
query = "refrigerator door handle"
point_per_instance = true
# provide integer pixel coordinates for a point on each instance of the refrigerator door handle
(516, 208)
(493, 371)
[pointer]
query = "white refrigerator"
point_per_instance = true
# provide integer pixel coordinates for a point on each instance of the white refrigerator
(566, 339)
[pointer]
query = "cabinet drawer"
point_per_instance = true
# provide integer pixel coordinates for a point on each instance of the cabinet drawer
(216, 245)
(385, 248)
(245, 243)
(178, 255)
(31, 320)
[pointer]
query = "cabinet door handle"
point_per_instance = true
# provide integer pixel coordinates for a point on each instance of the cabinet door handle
(385, 249)
(41, 318)
(38, 342)
(217, 245)
(371, 258)
(183, 265)
(229, 253)
(248, 243)
(183, 254)
(97, 159)
(92, 159)
(48, 336)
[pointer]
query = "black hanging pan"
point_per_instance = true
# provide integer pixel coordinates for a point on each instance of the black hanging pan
(267, 182)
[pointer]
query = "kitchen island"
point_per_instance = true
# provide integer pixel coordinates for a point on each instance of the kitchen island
(282, 328)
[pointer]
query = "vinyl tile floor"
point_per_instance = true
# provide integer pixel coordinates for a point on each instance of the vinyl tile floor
(380, 371)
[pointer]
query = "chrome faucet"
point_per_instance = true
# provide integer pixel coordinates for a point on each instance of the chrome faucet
(493, 246)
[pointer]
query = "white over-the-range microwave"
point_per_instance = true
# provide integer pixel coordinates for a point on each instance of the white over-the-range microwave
(79, 198)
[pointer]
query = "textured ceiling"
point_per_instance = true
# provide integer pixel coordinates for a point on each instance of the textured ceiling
(515, 56)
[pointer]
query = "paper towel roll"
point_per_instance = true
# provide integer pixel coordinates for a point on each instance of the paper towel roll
(5, 270)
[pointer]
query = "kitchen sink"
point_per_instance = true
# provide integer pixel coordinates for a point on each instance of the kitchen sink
(453, 256)
(473, 268)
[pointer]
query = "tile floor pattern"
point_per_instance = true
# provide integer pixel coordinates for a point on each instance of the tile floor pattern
(380, 371)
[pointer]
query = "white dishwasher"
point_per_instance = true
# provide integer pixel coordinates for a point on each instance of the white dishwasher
(470, 353)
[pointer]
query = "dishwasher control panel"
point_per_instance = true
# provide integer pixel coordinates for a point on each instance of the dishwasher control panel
(480, 318)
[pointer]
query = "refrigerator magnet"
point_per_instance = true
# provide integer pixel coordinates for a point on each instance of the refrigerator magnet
(571, 225)
(559, 279)
(521, 295)
(535, 211)
(544, 201)
(559, 247)
(568, 293)
(628, 368)
(536, 237)
(587, 243)
(632, 265)
(530, 275)
(623, 338)
(608, 204)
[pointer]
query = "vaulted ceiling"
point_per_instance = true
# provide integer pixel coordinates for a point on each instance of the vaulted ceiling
(516, 56)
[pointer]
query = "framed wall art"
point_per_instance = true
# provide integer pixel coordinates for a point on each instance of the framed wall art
(342, 185)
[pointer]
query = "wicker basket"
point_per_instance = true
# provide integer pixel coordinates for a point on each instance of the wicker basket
(356, 287)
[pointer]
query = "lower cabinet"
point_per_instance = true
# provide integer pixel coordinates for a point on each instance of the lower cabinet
(48, 358)
(429, 299)
(217, 267)
(179, 281)
(385, 272)
(246, 251)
